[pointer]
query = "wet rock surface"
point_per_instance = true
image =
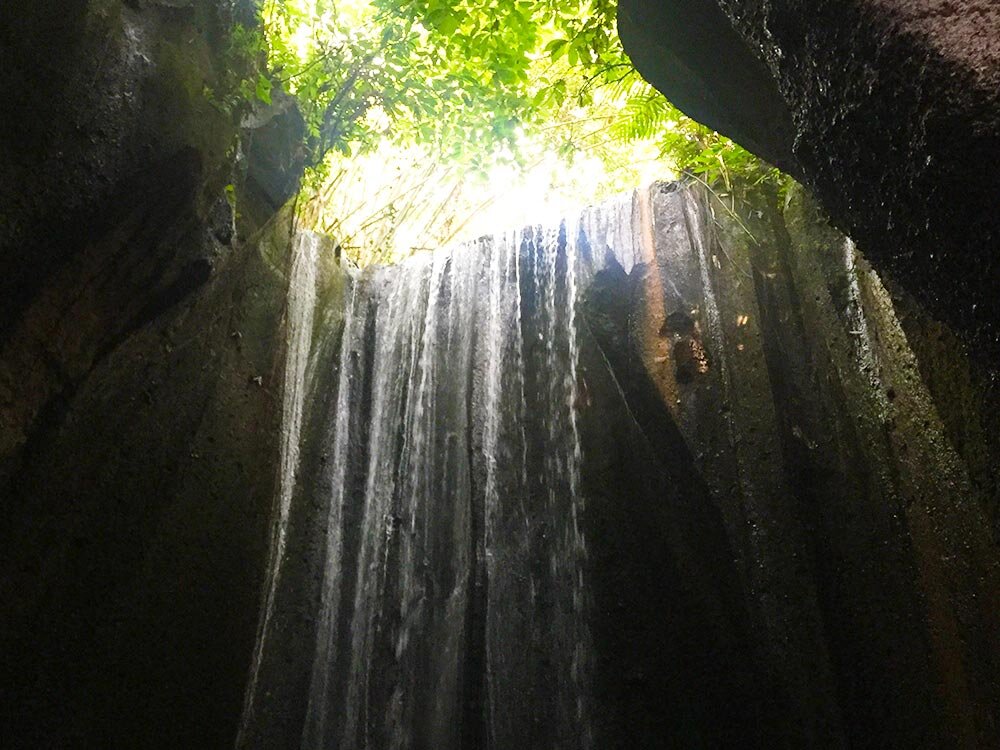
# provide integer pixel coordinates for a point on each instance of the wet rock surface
(142, 344)
(138, 515)
(894, 112)
(104, 99)
(789, 470)
(839, 474)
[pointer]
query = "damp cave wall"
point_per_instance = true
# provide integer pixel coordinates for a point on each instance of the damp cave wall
(144, 337)
(806, 410)
(888, 110)
(788, 546)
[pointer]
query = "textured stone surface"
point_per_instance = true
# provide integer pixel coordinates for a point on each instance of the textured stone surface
(139, 530)
(895, 106)
(787, 500)
(689, 50)
(138, 519)
(791, 469)
(142, 352)
(104, 98)
(860, 534)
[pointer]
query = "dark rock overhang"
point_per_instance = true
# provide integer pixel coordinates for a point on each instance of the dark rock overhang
(889, 110)
(689, 50)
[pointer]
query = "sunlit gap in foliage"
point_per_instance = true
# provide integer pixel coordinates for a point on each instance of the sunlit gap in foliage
(431, 121)
(386, 205)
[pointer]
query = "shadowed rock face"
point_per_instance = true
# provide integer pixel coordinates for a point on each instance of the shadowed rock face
(806, 411)
(107, 117)
(892, 110)
(141, 359)
(690, 51)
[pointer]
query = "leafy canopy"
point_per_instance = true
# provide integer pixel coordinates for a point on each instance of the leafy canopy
(460, 88)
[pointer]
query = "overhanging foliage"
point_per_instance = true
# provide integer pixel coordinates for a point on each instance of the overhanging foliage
(475, 83)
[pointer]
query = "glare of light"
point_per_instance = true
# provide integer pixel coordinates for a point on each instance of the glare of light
(301, 41)
(377, 119)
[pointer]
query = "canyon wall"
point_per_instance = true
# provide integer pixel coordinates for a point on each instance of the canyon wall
(723, 502)
(887, 109)
(143, 331)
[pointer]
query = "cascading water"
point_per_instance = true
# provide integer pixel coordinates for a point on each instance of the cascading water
(743, 415)
(452, 604)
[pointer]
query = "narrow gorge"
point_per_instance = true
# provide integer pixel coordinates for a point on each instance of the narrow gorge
(695, 467)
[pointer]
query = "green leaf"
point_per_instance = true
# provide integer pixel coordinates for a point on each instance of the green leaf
(263, 90)
(556, 47)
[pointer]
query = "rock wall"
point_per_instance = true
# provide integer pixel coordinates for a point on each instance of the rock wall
(888, 109)
(802, 391)
(138, 522)
(143, 353)
(793, 510)
(106, 109)
(787, 541)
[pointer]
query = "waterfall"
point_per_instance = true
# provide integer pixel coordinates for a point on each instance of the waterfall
(662, 476)
(452, 606)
